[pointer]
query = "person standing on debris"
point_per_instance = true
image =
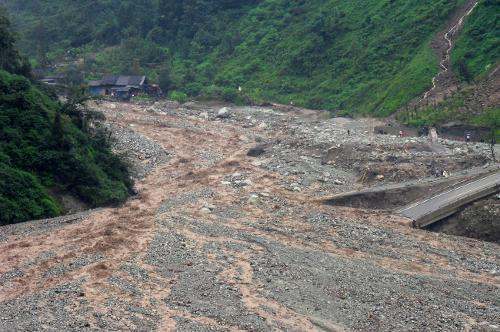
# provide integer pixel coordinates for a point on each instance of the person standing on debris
(433, 136)
(467, 137)
(401, 134)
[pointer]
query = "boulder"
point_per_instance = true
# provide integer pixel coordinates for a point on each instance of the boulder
(224, 113)
(254, 199)
(256, 151)
(206, 210)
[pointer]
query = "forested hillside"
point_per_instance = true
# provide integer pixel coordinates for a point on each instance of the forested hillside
(45, 146)
(369, 56)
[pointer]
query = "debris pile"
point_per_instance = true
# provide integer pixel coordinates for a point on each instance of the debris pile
(227, 234)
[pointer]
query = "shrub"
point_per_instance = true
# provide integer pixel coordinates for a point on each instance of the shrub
(22, 197)
(181, 97)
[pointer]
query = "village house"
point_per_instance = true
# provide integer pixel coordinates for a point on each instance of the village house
(54, 80)
(119, 86)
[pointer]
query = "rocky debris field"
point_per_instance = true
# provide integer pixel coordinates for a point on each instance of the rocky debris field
(227, 232)
(142, 153)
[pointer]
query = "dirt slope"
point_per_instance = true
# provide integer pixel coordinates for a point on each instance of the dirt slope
(217, 240)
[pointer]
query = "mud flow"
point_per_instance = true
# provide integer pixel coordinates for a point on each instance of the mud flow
(229, 232)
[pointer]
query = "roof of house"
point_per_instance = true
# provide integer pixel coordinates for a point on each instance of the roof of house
(120, 80)
(95, 83)
(122, 89)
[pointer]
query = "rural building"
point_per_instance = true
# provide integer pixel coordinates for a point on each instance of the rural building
(119, 86)
(53, 80)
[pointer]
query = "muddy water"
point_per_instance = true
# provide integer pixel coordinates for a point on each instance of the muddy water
(194, 252)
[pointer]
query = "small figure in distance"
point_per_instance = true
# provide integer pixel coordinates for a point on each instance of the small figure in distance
(467, 137)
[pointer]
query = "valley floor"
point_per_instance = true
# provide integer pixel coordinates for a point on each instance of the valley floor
(219, 240)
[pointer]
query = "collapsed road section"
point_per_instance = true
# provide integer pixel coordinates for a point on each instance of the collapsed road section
(435, 208)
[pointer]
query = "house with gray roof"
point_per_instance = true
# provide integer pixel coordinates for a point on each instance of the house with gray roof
(119, 86)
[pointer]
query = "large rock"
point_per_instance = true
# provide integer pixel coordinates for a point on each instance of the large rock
(254, 199)
(256, 151)
(224, 113)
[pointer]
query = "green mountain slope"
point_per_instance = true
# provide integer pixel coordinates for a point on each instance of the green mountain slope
(43, 149)
(477, 49)
(369, 56)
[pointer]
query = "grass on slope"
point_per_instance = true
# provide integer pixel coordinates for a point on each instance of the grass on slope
(477, 49)
(367, 57)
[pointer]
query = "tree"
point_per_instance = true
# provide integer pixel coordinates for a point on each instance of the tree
(41, 35)
(170, 15)
(58, 130)
(165, 80)
(10, 60)
(77, 108)
(7, 51)
(73, 76)
(491, 120)
(464, 71)
(136, 67)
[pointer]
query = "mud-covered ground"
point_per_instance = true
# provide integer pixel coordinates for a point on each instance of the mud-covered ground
(219, 240)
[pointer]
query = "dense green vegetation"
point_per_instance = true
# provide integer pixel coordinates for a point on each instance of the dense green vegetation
(368, 56)
(478, 47)
(9, 57)
(45, 146)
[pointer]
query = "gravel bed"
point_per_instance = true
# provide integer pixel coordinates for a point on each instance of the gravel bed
(43, 226)
(245, 244)
(143, 153)
(61, 308)
(76, 264)
(362, 296)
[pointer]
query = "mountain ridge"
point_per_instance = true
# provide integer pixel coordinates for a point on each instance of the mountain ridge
(371, 58)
